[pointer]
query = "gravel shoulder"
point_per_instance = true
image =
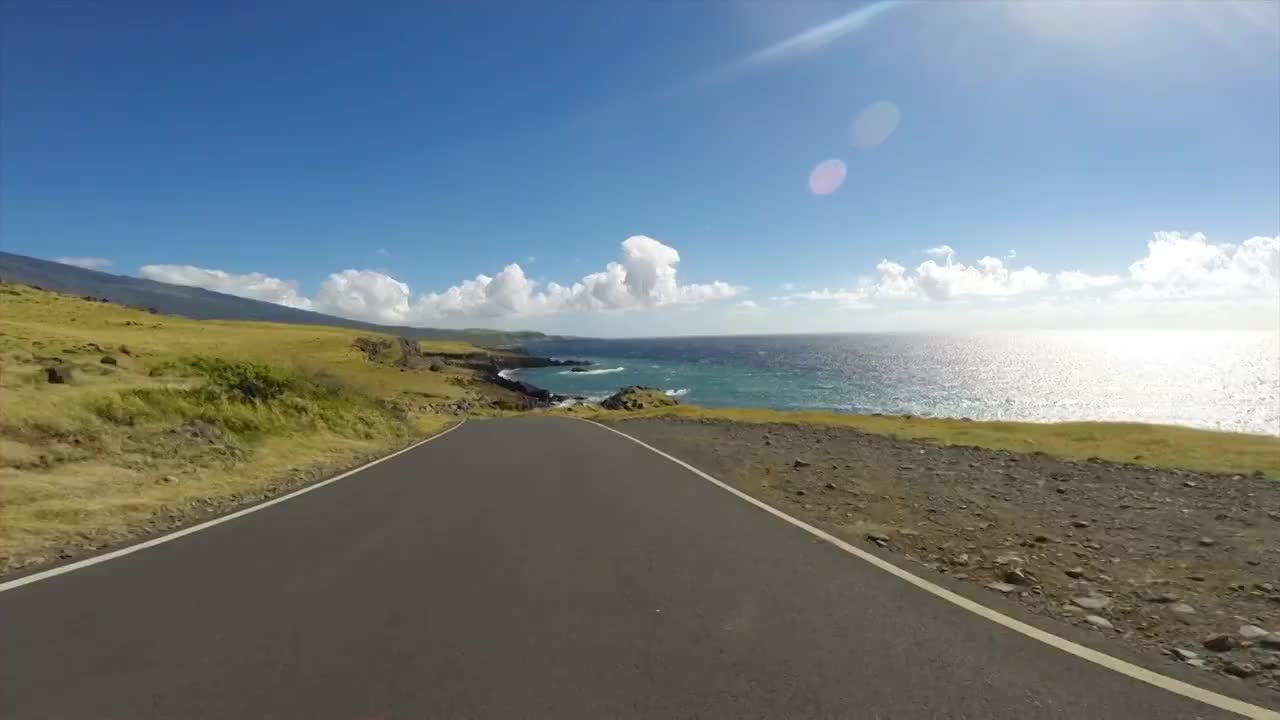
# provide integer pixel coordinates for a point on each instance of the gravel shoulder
(1179, 566)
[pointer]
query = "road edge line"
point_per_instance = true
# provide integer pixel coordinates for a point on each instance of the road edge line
(1178, 687)
(129, 550)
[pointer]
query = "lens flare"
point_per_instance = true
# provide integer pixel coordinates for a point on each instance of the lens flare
(875, 124)
(827, 177)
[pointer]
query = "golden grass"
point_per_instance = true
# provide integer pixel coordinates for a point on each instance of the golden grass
(153, 439)
(1157, 445)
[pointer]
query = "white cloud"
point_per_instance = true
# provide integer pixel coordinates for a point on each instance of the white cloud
(1074, 280)
(89, 263)
(748, 304)
(945, 252)
(252, 285)
(1178, 265)
(645, 277)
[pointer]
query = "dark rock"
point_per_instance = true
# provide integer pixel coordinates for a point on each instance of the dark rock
(577, 369)
(635, 397)
(1206, 542)
(801, 463)
(436, 365)
(1240, 669)
(1220, 642)
(58, 374)
(1074, 572)
(1015, 576)
(108, 360)
(1080, 523)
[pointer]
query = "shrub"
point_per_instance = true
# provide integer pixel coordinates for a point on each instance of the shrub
(243, 379)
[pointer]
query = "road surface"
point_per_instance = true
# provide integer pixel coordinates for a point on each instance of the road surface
(524, 568)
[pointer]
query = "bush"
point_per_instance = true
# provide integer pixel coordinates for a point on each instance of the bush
(243, 379)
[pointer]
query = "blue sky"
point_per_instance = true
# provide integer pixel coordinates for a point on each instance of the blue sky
(391, 161)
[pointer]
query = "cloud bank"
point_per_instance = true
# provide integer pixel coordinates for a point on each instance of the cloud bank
(645, 276)
(1176, 266)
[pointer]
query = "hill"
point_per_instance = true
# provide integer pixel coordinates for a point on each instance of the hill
(201, 304)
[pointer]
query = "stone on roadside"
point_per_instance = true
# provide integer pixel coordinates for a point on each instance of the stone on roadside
(1182, 654)
(108, 360)
(1182, 609)
(1206, 542)
(1221, 642)
(1015, 576)
(1270, 640)
(1080, 523)
(801, 463)
(1163, 597)
(1000, 587)
(1099, 622)
(1251, 632)
(1240, 669)
(1075, 572)
(1092, 602)
(1196, 663)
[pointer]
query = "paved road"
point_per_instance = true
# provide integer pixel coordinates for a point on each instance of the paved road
(534, 567)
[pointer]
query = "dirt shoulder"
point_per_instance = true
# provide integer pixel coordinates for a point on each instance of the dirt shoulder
(1163, 560)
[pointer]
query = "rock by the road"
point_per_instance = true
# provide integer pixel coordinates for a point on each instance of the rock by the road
(58, 374)
(1240, 669)
(798, 462)
(1092, 602)
(1182, 609)
(1220, 642)
(1251, 632)
(1207, 542)
(1099, 622)
(1000, 587)
(1184, 655)
(1074, 572)
(1270, 640)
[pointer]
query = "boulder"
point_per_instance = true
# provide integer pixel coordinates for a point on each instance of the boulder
(108, 360)
(58, 374)
(635, 397)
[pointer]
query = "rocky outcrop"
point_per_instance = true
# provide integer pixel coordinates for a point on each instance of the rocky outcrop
(635, 397)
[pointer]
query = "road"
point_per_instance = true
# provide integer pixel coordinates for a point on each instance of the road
(531, 567)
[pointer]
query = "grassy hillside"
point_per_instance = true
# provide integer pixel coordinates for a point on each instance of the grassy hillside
(1155, 445)
(166, 418)
(207, 305)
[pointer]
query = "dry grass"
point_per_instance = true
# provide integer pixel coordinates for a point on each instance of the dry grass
(165, 433)
(1156, 445)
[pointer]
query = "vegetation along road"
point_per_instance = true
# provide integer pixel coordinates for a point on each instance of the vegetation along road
(529, 567)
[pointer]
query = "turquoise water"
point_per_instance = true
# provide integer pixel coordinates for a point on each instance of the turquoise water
(1222, 380)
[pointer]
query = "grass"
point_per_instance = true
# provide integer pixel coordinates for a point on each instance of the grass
(1157, 445)
(192, 415)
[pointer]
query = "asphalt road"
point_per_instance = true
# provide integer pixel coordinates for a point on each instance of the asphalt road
(534, 567)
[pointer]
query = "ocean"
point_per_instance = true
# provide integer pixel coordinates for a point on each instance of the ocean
(1219, 380)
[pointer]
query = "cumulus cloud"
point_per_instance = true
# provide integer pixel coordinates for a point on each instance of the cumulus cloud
(644, 277)
(1176, 265)
(89, 263)
(252, 285)
(1074, 280)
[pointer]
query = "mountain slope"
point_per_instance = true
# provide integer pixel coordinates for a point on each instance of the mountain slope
(201, 304)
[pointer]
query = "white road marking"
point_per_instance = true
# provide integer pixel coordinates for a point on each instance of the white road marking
(54, 572)
(1178, 687)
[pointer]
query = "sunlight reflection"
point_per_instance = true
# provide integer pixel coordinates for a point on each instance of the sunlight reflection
(875, 124)
(827, 177)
